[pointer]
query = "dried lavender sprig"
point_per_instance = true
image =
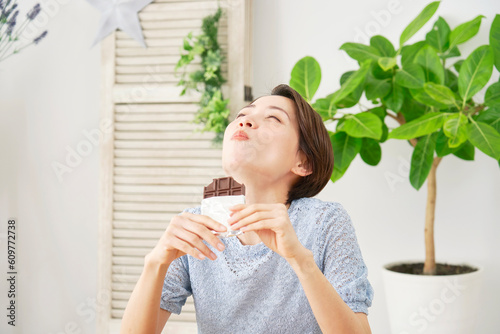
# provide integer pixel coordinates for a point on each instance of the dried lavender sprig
(6, 44)
(4, 15)
(11, 23)
(4, 55)
(29, 18)
(34, 12)
(6, 12)
(39, 38)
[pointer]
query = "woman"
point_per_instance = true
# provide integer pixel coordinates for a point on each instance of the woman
(297, 268)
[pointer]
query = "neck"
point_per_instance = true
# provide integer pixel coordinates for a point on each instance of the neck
(258, 193)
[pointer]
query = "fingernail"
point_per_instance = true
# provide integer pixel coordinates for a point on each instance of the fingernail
(220, 246)
(201, 256)
(213, 256)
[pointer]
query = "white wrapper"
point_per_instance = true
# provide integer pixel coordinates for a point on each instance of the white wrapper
(217, 208)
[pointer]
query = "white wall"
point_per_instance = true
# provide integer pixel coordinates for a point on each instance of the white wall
(49, 95)
(389, 221)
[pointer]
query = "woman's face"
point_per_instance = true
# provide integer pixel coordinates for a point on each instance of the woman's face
(270, 150)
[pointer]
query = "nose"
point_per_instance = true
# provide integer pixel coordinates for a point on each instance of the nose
(244, 121)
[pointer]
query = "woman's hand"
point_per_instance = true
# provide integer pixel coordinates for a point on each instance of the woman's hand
(272, 225)
(184, 235)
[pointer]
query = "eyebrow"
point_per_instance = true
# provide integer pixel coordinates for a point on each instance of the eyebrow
(270, 107)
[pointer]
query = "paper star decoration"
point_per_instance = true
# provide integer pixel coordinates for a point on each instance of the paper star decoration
(121, 14)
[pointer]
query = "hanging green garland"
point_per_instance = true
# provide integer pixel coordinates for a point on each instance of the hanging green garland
(208, 80)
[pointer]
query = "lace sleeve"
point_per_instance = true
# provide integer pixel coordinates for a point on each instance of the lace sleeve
(176, 285)
(342, 261)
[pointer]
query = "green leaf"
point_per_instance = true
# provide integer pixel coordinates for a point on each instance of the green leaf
(412, 109)
(379, 112)
(360, 52)
(306, 76)
(345, 149)
(418, 22)
(465, 31)
(408, 52)
(492, 95)
(325, 108)
(354, 80)
(394, 100)
(453, 52)
(451, 81)
(442, 147)
(495, 40)
(385, 133)
(378, 73)
(440, 93)
(491, 117)
(485, 138)
(353, 98)
(371, 153)
(421, 160)
(439, 36)
(466, 151)
(455, 128)
(422, 97)
(421, 126)
(411, 76)
(386, 63)
(383, 45)
(429, 60)
(362, 125)
(376, 89)
(458, 65)
(186, 45)
(475, 72)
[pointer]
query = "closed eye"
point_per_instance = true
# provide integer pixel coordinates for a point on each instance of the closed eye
(241, 114)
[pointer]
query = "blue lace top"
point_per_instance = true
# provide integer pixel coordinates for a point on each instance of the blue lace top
(251, 289)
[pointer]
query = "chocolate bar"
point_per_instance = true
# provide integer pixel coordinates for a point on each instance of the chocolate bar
(223, 186)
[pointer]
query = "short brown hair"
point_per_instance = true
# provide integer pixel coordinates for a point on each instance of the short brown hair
(314, 141)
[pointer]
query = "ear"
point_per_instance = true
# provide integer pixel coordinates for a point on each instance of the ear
(302, 168)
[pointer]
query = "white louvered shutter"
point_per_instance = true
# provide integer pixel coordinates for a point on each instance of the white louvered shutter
(153, 164)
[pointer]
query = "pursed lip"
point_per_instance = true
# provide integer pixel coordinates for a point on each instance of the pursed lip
(240, 135)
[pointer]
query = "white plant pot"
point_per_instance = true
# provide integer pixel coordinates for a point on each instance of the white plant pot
(421, 304)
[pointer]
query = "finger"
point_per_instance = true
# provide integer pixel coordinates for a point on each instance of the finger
(187, 248)
(253, 218)
(268, 224)
(195, 241)
(203, 232)
(236, 208)
(205, 220)
(249, 210)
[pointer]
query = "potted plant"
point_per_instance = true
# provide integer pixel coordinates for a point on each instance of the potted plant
(429, 98)
(207, 80)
